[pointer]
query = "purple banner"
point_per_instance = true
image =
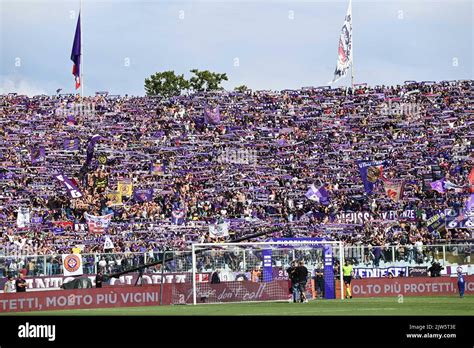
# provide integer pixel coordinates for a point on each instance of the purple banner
(267, 265)
(329, 291)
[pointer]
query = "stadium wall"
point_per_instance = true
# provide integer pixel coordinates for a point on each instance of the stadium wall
(125, 296)
(149, 295)
(410, 286)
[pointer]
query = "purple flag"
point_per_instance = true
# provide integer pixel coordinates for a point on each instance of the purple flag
(71, 120)
(90, 148)
(72, 189)
(178, 216)
(371, 172)
(76, 53)
(38, 154)
(212, 116)
(319, 195)
(157, 168)
(140, 195)
(71, 144)
(470, 203)
(438, 186)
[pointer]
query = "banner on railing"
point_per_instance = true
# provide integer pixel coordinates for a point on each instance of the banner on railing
(72, 265)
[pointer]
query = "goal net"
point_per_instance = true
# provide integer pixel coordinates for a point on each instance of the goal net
(249, 272)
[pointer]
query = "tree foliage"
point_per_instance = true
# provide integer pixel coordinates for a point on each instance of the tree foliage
(204, 81)
(166, 84)
(241, 89)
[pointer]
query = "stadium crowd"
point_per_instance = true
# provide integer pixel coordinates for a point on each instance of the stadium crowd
(250, 164)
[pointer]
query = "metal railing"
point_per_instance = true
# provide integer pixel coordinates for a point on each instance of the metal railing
(244, 260)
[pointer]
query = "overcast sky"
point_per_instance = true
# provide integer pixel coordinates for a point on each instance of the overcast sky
(266, 44)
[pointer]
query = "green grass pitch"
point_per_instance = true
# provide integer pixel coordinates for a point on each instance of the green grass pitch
(436, 306)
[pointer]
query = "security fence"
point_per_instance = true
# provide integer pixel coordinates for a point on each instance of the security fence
(244, 260)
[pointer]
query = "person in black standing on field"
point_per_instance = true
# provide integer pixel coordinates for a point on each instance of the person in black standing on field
(20, 283)
(302, 276)
(293, 277)
(319, 281)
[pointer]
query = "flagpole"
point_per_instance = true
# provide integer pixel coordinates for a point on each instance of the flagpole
(352, 50)
(81, 56)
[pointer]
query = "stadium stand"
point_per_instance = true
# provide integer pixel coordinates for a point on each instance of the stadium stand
(250, 165)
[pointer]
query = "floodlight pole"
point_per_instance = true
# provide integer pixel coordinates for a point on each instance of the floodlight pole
(81, 57)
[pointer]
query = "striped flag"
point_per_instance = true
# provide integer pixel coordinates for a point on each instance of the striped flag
(76, 53)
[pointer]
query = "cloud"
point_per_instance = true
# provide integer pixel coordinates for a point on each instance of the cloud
(19, 85)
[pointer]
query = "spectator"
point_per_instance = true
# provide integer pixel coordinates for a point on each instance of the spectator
(9, 285)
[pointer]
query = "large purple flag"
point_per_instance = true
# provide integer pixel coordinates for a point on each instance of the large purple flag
(76, 53)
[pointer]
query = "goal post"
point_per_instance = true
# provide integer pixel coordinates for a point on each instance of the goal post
(256, 271)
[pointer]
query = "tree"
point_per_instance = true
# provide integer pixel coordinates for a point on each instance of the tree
(166, 84)
(204, 81)
(241, 89)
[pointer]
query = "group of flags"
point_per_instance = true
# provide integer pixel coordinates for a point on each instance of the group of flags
(344, 59)
(372, 171)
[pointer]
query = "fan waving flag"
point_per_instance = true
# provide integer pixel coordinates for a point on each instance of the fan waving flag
(394, 189)
(98, 224)
(344, 54)
(212, 116)
(76, 53)
(319, 195)
(371, 172)
(438, 186)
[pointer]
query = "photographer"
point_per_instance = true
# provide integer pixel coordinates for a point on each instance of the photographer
(293, 277)
(302, 277)
(435, 269)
